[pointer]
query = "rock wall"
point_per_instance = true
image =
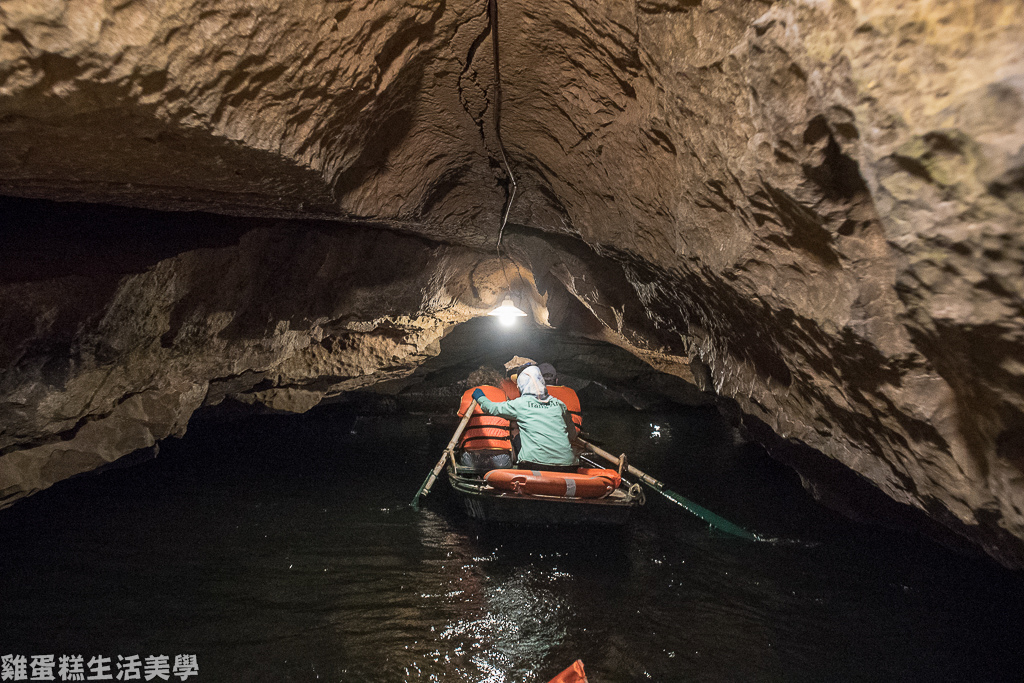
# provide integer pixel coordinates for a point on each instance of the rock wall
(811, 207)
(98, 365)
(824, 201)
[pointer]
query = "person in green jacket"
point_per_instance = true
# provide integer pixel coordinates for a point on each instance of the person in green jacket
(545, 425)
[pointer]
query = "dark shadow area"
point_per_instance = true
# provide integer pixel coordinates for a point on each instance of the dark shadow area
(42, 240)
(283, 548)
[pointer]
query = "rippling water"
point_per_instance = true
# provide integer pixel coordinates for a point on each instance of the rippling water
(283, 549)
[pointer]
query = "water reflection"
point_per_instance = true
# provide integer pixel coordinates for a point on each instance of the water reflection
(514, 628)
(506, 594)
(290, 553)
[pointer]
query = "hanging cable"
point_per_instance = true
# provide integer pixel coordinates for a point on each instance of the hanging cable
(492, 11)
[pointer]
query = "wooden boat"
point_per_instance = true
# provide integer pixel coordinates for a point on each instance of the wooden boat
(484, 502)
(530, 498)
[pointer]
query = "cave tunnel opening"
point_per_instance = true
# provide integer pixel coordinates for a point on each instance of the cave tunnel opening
(776, 248)
(275, 543)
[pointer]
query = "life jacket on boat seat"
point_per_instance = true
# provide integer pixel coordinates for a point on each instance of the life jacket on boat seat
(586, 483)
(485, 432)
(571, 401)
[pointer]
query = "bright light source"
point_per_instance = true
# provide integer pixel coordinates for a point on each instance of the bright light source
(507, 312)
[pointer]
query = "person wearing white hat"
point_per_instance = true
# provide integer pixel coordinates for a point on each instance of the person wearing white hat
(545, 426)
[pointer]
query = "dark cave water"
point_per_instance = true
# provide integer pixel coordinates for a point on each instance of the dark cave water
(284, 549)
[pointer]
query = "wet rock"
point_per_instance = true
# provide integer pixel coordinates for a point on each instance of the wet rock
(822, 203)
(811, 208)
(283, 319)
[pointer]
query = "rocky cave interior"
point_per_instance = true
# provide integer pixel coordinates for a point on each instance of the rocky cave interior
(804, 215)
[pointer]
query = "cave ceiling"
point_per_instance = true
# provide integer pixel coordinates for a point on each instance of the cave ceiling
(812, 209)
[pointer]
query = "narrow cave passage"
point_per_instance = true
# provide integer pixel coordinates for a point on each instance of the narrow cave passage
(282, 547)
(248, 252)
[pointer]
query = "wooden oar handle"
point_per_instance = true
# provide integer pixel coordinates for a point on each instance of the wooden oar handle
(428, 483)
(642, 476)
(462, 426)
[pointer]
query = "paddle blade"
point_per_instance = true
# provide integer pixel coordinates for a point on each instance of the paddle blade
(424, 488)
(708, 516)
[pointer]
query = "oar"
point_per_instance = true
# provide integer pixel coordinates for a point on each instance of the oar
(432, 477)
(705, 514)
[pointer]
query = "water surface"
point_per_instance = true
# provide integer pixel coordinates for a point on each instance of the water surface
(283, 549)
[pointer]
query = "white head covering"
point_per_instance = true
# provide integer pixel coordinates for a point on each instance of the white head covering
(530, 381)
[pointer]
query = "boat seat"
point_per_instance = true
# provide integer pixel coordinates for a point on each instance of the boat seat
(486, 460)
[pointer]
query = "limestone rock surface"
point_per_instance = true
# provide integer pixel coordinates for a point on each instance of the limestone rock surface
(823, 200)
(815, 209)
(97, 367)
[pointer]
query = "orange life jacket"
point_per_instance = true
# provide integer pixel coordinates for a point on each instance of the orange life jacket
(510, 389)
(571, 401)
(484, 432)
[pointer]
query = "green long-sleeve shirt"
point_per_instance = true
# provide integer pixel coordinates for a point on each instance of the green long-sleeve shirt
(544, 428)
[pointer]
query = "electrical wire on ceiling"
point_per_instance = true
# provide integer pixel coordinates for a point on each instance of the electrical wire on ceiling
(492, 11)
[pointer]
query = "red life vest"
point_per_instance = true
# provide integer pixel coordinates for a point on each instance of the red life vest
(571, 401)
(485, 432)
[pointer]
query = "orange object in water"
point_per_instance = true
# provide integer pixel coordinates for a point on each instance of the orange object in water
(571, 401)
(485, 431)
(574, 674)
(592, 484)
